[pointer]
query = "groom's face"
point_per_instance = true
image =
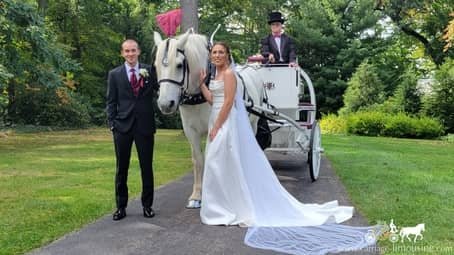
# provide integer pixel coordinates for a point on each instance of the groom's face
(130, 52)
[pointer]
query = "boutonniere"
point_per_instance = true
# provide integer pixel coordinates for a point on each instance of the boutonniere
(143, 73)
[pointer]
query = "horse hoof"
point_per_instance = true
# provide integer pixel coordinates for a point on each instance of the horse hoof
(194, 204)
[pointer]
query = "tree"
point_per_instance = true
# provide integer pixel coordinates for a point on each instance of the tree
(332, 40)
(449, 33)
(30, 56)
(81, 28)
(422, 20)
(407, 95)
(440, 103)
(364, 89)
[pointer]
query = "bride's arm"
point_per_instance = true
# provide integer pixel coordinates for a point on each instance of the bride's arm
(229, 98)
(203, 87)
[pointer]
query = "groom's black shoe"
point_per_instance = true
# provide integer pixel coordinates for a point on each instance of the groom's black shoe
(119, 214)
(148, 212)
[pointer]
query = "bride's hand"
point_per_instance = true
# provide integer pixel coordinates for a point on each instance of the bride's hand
(213, 133)
(202, 78)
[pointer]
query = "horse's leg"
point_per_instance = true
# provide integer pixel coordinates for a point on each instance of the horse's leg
(408, 237)
(194, 129)
(197, 161)
(416, 236)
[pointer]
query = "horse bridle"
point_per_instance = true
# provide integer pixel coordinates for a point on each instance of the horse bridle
(185, 97)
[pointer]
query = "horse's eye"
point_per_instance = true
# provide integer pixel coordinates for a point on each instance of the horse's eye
(179, 66)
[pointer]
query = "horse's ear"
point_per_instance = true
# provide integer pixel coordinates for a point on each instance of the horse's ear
(157, 38)
(183, 39)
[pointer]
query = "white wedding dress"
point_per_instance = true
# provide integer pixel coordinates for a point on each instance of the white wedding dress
(241, 188)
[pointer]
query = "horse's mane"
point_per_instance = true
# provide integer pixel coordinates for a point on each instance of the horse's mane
(195, 50)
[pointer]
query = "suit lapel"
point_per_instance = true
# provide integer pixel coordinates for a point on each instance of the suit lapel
(276, 49)
(283, 42)
(146, 82)
(124, 80)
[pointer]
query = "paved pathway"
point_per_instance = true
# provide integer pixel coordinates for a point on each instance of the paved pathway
(176, 230)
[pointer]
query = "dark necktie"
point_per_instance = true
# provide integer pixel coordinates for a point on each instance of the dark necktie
(133, 80)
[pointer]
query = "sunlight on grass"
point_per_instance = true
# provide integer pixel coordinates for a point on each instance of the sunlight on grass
(56, 182)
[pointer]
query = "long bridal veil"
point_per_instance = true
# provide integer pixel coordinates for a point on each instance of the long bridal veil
(281, 222)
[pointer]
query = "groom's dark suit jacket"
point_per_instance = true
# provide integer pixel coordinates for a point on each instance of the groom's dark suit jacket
(123, 108)
(287, 48)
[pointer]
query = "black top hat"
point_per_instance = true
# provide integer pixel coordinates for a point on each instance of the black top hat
(275, 17)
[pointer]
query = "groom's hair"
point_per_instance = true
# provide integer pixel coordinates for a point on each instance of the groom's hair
(130, 40)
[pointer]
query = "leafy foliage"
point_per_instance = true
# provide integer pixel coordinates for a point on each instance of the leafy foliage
(332, 41)
(51, 107)
(407, 95)
(30, 55)
(75, 43)
(440, 103)
(333, 124)
(423, 21)
(364, 89)
(448, 35)
(372, 123)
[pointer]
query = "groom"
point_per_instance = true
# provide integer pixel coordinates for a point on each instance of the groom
(130, 114)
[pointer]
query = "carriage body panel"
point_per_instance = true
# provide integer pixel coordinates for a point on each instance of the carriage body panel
(282, 88)
(291, 113)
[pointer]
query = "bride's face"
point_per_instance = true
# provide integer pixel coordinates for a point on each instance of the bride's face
(219, 55)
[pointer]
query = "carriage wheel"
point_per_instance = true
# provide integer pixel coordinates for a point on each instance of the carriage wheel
(315, 151)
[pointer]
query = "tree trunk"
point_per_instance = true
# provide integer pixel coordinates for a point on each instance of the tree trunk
(42, 7)
(76, 32)
(189, 18)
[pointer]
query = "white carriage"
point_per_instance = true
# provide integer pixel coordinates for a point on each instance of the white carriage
(290, 109)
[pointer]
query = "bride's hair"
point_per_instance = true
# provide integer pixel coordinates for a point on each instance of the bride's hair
(226, 47)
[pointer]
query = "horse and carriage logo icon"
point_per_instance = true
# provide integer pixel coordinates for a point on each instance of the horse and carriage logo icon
(269, 85)
(394, 234)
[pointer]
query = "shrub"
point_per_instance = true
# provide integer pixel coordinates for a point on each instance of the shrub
(333, 124)
(428, 128)
(374, 123)
(51, 107)
(399, 125)
(366, 123)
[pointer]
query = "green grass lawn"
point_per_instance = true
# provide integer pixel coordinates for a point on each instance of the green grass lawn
(52, 183)
(410, 181)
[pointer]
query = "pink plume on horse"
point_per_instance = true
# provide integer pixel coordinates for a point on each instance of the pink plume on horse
(169, 21)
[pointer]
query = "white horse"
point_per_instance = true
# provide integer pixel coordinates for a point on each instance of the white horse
(407, 231)
(179, 62)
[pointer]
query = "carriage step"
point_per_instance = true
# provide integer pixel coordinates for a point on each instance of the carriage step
(306, 107)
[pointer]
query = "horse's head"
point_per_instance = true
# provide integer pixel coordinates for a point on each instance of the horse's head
(422, 227)
(178, 63)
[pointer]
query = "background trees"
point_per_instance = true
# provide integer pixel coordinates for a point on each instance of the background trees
(54, 54)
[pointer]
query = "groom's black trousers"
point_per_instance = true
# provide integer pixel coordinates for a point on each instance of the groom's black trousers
(123, 145)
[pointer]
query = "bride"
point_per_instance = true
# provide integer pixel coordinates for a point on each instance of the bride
(241, 188)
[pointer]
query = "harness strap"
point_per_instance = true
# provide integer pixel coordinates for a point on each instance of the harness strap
(245, 94)
(192, 99)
